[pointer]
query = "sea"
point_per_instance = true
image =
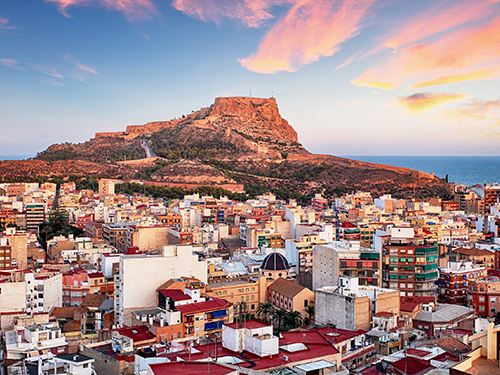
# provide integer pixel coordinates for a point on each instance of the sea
(467, 170)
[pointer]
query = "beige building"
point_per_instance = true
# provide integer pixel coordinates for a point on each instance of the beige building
(350, 306)
(287, 295)
(147, 236)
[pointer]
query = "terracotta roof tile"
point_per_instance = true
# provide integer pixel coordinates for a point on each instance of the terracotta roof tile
(286, 288)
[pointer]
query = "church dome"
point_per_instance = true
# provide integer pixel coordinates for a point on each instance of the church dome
(275, 262)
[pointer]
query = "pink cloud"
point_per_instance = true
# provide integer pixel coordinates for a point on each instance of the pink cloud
(251, 12)
(5, 24)
(132, 9)
(463, 55)
(85, 68)
(10, 63)
(444, 16)
(310, 30)
(424, 101)
(49, 70)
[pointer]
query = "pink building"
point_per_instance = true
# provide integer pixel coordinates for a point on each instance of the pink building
(75, 287)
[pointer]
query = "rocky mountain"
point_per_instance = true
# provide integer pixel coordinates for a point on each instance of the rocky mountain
(236, 140)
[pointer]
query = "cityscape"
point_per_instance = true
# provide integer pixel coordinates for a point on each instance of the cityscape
(230, 187)
(98, 281)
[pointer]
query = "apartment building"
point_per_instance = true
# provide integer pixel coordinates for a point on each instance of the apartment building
(454, 281)
(409, 262)
(140, 275)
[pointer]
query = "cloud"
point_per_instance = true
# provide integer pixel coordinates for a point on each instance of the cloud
(52, 81)
(476, 110)
(444, 16)
(10, 63)
(472, 76)
(310, 30)
(478, 118)
(5, 24)
(50, 70)
(79, 74)
(421, 102)
(85, 68)
(132, 9)
(252, 13)
(470, 53)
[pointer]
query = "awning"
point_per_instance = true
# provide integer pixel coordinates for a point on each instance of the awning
(219, 314)
(213, 325)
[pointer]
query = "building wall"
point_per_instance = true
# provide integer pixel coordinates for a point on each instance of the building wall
(337, 309)
(52, 293)
(13, 296)
(149, 238)
(105, 364)
(140, 276)
(362, 311)
(325, 266)
(19, 251)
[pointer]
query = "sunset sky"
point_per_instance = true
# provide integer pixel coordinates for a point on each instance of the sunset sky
(353, 77)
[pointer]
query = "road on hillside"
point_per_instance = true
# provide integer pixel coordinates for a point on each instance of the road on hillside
(149, 151)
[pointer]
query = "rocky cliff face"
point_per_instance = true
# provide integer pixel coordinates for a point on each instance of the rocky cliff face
(252, 112)
(255, 117)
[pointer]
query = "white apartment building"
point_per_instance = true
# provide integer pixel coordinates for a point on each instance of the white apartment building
(140, 275)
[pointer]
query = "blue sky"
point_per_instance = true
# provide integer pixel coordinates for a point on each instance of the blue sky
(353, 77)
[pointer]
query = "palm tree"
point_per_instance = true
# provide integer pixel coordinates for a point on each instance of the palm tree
(293, 319)
(309, 310)
(264, 310)
(280, 316)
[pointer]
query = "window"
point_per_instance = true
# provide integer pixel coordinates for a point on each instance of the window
(481, 308)
(85, 365)
(493, 300)
(481, 298)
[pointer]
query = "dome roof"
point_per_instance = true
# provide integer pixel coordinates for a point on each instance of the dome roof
(275, 262)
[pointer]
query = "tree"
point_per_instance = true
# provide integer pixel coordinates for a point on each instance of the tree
(309, 310)
(265, 310)
(280, 316)
(293, 319)
(56, 225)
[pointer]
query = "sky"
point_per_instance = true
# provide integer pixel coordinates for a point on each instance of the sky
(353, 77)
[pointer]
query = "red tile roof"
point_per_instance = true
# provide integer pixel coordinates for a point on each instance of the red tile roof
(251, 324)
(335, 335)
(412, 366)
(417, 352)
(214, 304)
(190, 368)
(139, 333)
(175, 294)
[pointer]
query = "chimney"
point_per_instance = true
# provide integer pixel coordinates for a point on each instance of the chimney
(150, 320)
(162, 322)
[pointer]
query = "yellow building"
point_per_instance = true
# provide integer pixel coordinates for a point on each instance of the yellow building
(234, 291)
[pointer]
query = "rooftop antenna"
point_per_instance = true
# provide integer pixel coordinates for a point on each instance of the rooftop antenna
(272, 94)
(250, 90)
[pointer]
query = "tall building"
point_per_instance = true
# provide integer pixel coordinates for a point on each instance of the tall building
(455, 278)
(409, 261)
(35, 215)
(140, 275)
(345, 258)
